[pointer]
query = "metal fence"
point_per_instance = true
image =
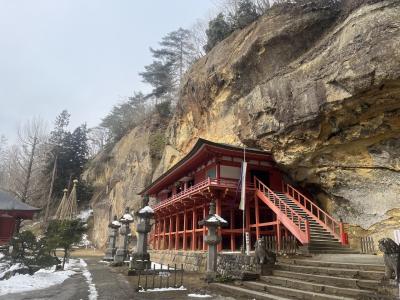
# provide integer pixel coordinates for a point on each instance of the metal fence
(169, 276)
(367, 245)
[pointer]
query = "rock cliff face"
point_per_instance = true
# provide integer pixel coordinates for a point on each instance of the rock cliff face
(318, 88)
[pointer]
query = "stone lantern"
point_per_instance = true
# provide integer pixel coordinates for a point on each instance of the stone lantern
(212, 222)
(140, 260)
(112, 239)
(125, 230)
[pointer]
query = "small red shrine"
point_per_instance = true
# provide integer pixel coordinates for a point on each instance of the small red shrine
(212, 172)
(12, 211)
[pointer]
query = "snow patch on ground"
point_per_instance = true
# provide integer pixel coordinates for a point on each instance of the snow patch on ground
(92, 287)
(158, 266)
(42, 279)
(182, 288)
(1, 255)
(199, 296)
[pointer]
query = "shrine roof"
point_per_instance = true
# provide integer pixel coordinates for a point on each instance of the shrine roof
(200, 149)
(10, 203)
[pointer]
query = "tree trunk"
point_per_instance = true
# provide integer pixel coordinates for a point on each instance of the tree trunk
(65, 257)
(53, 175)
(29, 170)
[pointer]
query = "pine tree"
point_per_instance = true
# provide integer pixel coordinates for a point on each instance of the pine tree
(160, 76)
(71, 152)
(245, 14)
(172, 59)
(218, 29)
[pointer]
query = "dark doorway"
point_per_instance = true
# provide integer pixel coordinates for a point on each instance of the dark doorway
(261, 175)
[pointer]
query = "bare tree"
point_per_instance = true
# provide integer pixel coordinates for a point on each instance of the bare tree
(98, 138)
(198, 37)
(23, 162)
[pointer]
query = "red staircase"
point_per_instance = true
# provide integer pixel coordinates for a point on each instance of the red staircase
(312, 226)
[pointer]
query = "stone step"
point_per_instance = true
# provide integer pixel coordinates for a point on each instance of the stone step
(354, 283)
(315, 287)
(349, 273)
(292, 292)
(327, 246)
(338, 265)
(323, 243)
(242, 291)
(338, 251)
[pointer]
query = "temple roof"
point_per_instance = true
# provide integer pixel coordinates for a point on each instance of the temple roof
(200, 147)
(8, 202)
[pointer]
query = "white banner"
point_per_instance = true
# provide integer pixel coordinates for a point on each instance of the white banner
(243, 193)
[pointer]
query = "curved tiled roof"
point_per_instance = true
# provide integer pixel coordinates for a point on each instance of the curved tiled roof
(8, 202)
(198, 146)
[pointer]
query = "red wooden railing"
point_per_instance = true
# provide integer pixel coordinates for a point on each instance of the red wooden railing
(294, 222)
(209, 182)
(324, 219)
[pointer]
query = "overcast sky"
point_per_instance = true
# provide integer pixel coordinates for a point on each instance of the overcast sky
(79, 55)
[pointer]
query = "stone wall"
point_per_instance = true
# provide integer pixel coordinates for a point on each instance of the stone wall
(191, 260)
(228, 264)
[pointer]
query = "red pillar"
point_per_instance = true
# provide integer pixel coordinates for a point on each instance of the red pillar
(278, 234)
(155, 235)
(257, 212)
(232, 225)
(194, 225)
(177, 232)
(164, 229)
(204, 227)
(219, 212)
(247, 205)
(184, 229)
(170, 234)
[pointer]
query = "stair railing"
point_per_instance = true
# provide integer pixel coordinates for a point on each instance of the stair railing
(323, 218)
(299, 226)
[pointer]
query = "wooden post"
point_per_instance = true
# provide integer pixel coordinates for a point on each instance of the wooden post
(204, 227)
(177, 232)
(184, 229)
(257, 212)
(278, 234)
(194, 225)
(219, 212)
(248, 220)
(170, 234)
(155, 235)
(232, 224)
(164, 229)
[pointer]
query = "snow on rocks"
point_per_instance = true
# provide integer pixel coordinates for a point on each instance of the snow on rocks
(146, 209)
(92, 287)
(116, 223)
(85, 214)
(127, 217)
(216, 219)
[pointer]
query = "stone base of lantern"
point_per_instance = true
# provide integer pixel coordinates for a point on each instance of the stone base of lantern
(139, 262)
(120, 255)
(109, 254)
(210, 276)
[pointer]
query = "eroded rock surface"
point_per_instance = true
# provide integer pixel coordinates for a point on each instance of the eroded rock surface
(316, 86)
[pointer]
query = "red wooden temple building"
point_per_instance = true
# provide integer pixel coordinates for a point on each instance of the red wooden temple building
(12, 211)
(212, 172)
